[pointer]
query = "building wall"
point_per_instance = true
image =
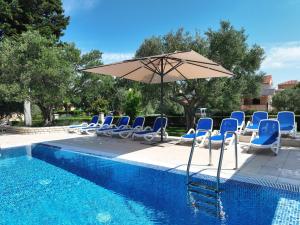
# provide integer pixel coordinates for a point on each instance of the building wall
(255, 107)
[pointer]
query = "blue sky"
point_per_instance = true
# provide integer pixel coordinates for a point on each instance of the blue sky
(118, 27)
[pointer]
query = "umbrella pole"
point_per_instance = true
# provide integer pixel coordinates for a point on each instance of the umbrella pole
(161, 106)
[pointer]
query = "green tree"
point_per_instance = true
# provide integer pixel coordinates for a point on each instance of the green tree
(89, 88)
(226, 46)
(98, 105)
(132, 106)
(46, 16)
(288, 99)
(38, 70)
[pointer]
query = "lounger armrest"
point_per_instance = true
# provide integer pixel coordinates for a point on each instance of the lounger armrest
(235, 134)
(148, 128)
(254, 135)
(191, 131)
(122, 127)
(208, 132)
(215, 132)
(204, 130)
(138, 128)
(105, 126)
(248, 123)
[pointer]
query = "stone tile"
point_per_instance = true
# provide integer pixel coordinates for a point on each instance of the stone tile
(269, 171)
(289, 173)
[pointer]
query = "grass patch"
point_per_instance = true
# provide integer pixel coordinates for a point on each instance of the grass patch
(176, 131)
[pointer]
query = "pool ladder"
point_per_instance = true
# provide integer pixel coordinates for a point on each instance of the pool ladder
(204, 196)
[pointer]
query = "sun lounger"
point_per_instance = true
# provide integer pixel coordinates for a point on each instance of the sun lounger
(126, 132)
(268, 136)
(204, 127)
(252, 126)
(287, 123)
(106, 123)
(227, 133)
(150, 133)
(240, 116)
(93, 123)
(107, 131)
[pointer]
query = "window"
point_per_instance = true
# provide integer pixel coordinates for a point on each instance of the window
(256, 101)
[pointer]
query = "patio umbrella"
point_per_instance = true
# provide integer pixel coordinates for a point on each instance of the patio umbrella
(164, 68)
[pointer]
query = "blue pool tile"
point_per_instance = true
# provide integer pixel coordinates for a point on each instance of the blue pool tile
(58, 186)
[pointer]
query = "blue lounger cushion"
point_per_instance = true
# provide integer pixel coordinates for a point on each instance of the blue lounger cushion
(191, 136)
(219, 137)
(264, 140)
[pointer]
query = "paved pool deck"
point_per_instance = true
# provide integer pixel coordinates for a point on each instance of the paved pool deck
(260, 165)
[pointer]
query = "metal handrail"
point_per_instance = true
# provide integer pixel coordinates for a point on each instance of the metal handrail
(222, 153)
(192, 152)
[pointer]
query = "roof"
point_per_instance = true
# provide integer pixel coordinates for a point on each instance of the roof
(289, 82)
(267, 79)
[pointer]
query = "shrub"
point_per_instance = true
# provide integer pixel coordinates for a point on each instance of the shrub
(99, 105)
(132, 106)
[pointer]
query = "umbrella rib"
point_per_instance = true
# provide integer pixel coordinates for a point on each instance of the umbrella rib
(177, 70)
(136, 69)
(149, 68)
(211, 68)
(155, 56)
(152, 78)
(193, 61)
(155, 67)
(131, 72)
(174, 67)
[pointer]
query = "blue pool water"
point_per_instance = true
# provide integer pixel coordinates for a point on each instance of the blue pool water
(48, 185)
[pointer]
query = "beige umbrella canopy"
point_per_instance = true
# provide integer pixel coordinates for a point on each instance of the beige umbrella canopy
(164, 68)
(172, 67)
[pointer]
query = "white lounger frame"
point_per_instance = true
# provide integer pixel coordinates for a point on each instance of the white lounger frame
(200, 141)
(275, 146)
(292, 132)
(152, 135)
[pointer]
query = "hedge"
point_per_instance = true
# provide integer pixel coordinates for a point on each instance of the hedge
(173, 121)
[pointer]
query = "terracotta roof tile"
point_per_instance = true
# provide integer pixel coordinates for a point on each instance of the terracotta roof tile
(289, 82)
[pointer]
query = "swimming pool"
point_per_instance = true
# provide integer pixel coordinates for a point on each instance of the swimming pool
(45, 184)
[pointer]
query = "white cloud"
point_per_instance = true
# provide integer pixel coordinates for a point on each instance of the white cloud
(71, 6)
(282, 56)
(111, 57)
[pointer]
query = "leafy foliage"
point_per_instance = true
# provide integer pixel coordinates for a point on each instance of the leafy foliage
(132, 106)
(288, 99)
(226, 46)
(86, 87)
(38, 69)
(98, 105)
(45, 16)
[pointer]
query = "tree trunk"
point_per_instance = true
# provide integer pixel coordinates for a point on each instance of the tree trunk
(189, 112)
(48, 117)
(67, 107)
(27, 113)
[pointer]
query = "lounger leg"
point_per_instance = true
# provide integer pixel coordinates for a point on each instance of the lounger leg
(166, 135)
